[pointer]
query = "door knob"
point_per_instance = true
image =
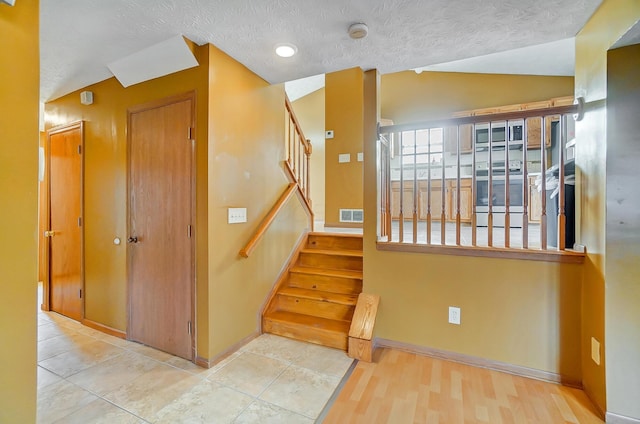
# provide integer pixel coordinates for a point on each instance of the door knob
(49, 233)
(132, 240)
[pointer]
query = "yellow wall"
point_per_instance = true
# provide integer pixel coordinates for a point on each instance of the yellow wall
(247, 149)
(105, 190)
(310, 113)
(343, 115)
(239, 154)
(19, 61)
(606, 26)
(520, 312)
(410, 97)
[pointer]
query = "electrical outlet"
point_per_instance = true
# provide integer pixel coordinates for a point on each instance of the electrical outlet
(454, 315)
(237, 215)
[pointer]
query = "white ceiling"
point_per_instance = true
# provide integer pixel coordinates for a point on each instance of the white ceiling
(80, 37)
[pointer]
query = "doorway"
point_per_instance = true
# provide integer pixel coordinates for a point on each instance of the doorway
(64, 236)
(160, 225)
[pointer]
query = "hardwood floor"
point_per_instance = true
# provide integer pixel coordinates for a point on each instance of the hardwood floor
(402, 387)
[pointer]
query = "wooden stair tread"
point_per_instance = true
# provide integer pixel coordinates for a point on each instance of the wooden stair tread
(340, 273)
(322, 296)
(333, 252)
(347, 235)
(325, 324)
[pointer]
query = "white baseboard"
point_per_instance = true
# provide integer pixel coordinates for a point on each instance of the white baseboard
(620, 419)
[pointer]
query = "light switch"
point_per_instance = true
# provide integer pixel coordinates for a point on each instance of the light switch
(344, 158)
(237, 215)
(328, 134)
(360, 156)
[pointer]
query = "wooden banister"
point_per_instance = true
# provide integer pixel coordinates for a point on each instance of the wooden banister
(297, 167)
(266, 222)
(298, 127)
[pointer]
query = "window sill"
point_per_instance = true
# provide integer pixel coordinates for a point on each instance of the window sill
(565, 256)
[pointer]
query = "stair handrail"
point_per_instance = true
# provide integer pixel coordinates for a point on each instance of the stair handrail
(297, 166)
(266, 222)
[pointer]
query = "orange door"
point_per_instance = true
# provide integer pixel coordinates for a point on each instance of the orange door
(160, 218)
(65, 220)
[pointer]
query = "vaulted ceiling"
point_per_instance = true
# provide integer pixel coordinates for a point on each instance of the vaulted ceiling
(80, 37)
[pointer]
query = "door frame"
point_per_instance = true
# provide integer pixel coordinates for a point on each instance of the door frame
(154, 104)
(46, 295)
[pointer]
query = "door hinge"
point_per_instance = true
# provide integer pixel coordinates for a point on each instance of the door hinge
(79, 149)
(79, 221)
(189, 231)
(80, 294)
(189, 327)
(190, 133)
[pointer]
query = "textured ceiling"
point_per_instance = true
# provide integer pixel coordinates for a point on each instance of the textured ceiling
(79, 37)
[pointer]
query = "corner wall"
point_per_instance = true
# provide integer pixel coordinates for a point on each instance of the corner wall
(612, 19)
(19, 85)
(246, 153)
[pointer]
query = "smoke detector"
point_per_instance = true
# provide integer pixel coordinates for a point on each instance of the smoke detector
(358, 30)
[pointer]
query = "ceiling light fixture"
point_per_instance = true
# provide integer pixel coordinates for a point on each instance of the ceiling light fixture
(358, 30)
(286, 50)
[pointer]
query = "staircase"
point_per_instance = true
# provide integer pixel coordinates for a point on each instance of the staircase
(316, 300)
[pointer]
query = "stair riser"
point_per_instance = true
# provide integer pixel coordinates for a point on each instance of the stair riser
(315, 308)
(325, 283)
(334, 242)
(308, 334)
(330, 261)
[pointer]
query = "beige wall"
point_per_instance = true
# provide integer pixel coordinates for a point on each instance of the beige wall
(310, 113)
(520, 312)
(343, 115)
(410, 97)
(622, 304)
(246, 152)
(19, 61)
(608, 24)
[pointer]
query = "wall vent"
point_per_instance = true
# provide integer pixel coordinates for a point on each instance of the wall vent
(351, 215)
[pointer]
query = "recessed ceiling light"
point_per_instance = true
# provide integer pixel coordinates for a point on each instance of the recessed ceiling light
(286, 50)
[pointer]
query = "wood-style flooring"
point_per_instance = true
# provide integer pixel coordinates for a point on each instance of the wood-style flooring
(401, 387)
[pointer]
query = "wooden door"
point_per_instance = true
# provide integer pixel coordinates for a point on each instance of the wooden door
(160, 246)
(65, 235)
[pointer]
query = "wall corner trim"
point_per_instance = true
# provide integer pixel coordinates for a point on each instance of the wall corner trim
(479, 362)
(612, 418)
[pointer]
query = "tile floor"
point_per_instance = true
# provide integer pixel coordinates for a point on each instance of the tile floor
(85, 376)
